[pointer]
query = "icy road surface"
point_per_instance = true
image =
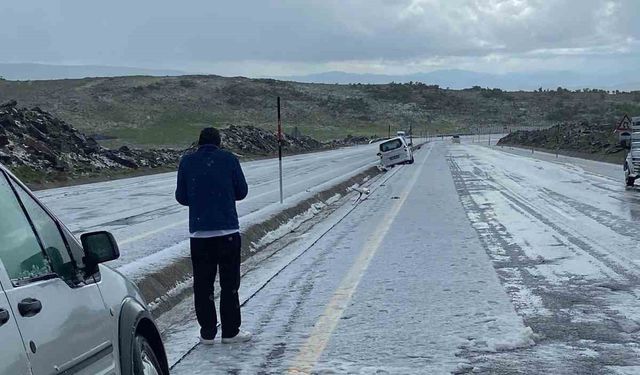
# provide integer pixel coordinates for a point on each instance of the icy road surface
(564, 238)
(472, 260)
(144, 217)
(400, 285)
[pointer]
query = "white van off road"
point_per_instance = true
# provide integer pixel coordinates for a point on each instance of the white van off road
(61, 310)
(395, 151)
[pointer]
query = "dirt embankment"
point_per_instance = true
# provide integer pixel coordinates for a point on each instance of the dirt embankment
(39, 147)
(591, 141)
(46, 151)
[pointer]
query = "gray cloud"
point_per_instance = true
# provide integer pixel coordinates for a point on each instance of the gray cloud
(315, 34)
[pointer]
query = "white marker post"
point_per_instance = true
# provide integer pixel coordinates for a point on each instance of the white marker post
(280, 151)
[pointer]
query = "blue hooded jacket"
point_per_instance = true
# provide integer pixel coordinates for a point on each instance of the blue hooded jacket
(210, 181)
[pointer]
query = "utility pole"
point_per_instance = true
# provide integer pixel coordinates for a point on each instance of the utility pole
(280, 151)
(410, 134)
(389, 132)
(557, 140)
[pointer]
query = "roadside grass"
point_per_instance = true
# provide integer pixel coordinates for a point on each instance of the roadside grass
(169, 130)
(28, 175)
(631, 109)
(180, 129)
(445, 126)
(333, 131)
(327, 132)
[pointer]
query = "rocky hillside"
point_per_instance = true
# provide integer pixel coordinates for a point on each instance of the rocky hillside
(169, 111)
(581, 139)
(41, 148)
(250, 141)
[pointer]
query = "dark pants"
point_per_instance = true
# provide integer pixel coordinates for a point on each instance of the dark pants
(208, 254)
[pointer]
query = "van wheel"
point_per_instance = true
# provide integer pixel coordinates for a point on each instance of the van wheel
(145, 361)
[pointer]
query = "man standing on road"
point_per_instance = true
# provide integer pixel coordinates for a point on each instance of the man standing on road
(210, 181)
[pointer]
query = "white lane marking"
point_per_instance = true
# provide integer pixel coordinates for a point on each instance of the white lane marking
(310, 352)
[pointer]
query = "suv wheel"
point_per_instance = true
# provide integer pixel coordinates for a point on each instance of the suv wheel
(630, 181)
(145, 361)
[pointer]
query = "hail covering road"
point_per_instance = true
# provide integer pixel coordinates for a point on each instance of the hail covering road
(145, 219)
(472, 260)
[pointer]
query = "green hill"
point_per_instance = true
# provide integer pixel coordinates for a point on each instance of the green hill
(169, 111)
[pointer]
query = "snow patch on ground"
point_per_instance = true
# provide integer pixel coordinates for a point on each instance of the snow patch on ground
(624, 370)
(157, 261)
(289, 226)
(336, 197)
(177, 290)
(512, 340)
(513, 335)
(525, 300)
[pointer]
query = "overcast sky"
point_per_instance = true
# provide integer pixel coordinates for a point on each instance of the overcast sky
(288, 37)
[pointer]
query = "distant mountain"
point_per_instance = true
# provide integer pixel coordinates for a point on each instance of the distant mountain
(460, 79)
(31, 71)
(452, 78)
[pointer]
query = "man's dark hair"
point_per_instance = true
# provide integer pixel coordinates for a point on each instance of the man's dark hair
(209, 136)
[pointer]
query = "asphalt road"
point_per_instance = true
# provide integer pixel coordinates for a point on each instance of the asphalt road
(144, 217)
(472, 260)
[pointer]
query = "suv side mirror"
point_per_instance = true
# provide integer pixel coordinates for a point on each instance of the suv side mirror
(99, 247)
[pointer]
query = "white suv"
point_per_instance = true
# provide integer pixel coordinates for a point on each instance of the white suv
(61, 310)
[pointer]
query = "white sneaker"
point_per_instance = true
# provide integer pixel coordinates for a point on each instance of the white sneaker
(204, 341)
(242, 336)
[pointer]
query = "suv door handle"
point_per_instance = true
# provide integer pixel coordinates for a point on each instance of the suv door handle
(4, 316)
(29, 307)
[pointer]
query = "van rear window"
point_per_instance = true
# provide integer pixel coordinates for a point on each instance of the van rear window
(390, 145)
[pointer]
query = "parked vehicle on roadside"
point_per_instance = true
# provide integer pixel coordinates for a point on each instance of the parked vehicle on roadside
(61, 310)
(395, 151)
(632, 162)
(455, 139)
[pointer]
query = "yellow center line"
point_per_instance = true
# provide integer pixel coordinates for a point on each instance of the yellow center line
(310, 352)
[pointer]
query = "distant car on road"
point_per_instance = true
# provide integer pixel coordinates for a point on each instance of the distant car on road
(395, 151)
(455, 139)
(61, 310)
